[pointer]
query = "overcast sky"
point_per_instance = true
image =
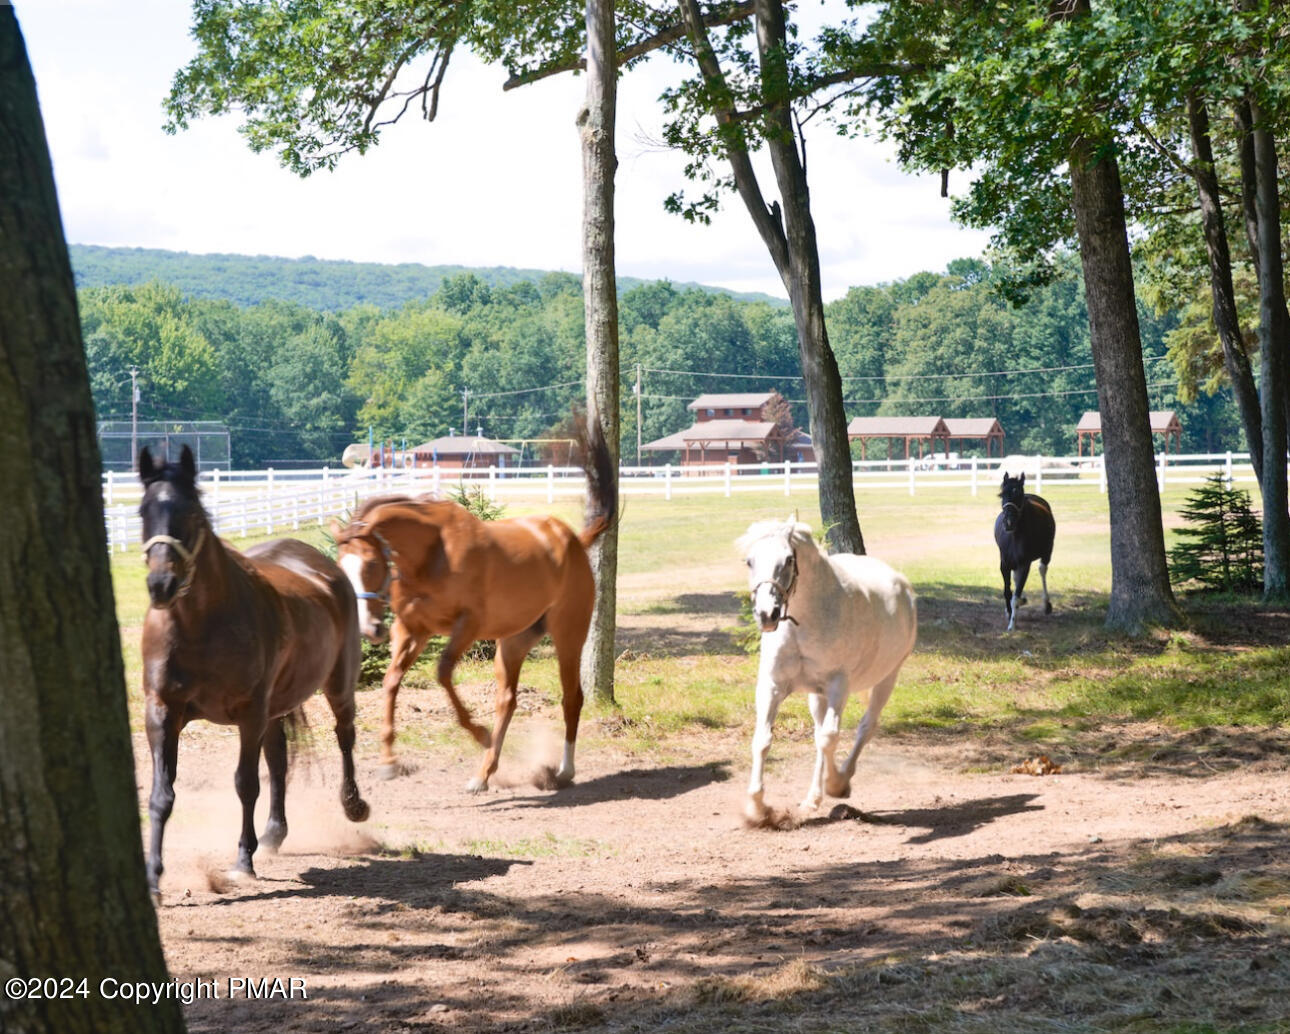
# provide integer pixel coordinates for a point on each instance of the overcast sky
(495, 180)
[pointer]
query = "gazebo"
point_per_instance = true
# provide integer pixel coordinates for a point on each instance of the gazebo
(719, 441)
(463, 451)
(1163, 421)
(985, 429)
(919, 429)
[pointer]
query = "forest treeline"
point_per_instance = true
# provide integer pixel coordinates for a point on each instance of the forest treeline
(296, 383)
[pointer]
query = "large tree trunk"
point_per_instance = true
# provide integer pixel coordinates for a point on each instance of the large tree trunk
(1140, 591)
(795, 253)
(600, 296)
(1274, 343)
(801, 276)
(73, 898)
(1226, 318)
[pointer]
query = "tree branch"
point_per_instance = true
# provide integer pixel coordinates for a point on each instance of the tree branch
(713, 19)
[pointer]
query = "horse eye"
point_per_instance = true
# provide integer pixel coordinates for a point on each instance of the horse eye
(748, 561)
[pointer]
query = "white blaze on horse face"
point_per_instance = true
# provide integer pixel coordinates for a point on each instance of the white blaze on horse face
(769, 569)
(370, 612)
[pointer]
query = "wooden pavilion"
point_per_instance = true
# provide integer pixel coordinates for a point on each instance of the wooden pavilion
(920, 429)
(984, 429)
(464, 452)
(1163, 421)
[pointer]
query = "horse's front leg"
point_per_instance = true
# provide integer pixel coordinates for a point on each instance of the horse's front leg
(1043, 576)
(405, 648)
(769, 696)
(1019, 576)
(463, 635)
(275, 757)
(826, 710)
(163, 726)
(247, 782)
(1008, 610)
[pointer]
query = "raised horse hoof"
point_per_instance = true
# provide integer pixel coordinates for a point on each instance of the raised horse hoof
(272, 837)
(389, 770)
(756, 813)
(356, 809)
(477, 785)
(841, 790)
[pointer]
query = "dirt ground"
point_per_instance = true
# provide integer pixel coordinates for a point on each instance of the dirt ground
(947, 894)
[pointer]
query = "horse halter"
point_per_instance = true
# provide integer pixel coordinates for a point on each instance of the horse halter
(189, 556)
(391, 573)
(786, 591)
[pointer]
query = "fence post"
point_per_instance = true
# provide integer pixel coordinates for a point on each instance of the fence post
(322, 498)
(1160, 476)
(492, 483)
(667, 482)
(268, 503)
(911, 475)
(727, 479)
(550, 482)
(788, 477)
(973, 477)
(434, 482)
(1227, 469)
(1039, 474)
(1101, 474)
(295, 511)
(108, 493)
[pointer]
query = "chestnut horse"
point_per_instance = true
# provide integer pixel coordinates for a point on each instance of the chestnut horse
(443, 571)
(238, 639)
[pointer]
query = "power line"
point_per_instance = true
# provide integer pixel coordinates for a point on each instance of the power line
(947, 398)
(522, 391)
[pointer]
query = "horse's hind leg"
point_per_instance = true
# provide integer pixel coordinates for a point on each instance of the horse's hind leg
(506, 666)
(878, 697)
(405, 648)
(163, 741)
(1043, 575)
(275, 756)
(568, 647)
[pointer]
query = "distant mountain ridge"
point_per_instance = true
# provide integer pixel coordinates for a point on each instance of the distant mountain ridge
(320, 284)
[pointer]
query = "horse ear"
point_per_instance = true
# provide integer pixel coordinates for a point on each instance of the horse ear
(1023, 478)
(147, 469)
(1005, 477)
(187, 464)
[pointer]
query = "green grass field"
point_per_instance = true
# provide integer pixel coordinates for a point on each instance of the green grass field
(1048, 683)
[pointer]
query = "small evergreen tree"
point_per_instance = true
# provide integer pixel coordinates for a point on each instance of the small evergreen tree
(1222, 548)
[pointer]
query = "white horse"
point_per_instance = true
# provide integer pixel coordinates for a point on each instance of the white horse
(830, 625)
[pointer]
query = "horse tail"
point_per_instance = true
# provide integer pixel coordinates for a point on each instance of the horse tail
(299, 732)
(602, 480)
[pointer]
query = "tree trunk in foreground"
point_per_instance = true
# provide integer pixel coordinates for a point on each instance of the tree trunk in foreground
(73, 899)
(1274, 342)
(801, 276)
(1140, 591)
(1226, 319)
(795, 252)
(600, 299)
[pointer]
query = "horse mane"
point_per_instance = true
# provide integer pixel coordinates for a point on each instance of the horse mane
(372, 502)
(799, 534)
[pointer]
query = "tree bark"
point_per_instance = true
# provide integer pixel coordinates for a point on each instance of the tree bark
(600, 298)
(1226, 318)
(73, 897)
(1274, 343)
(1140, 591)
(801, 276)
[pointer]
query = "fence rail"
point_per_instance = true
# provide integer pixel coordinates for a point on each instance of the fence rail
(252, 502)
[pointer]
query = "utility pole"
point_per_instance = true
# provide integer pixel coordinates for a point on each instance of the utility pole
(465, 421)
(638, 414)
(134, 418)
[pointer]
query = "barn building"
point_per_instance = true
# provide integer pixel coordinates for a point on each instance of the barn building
(733, 428)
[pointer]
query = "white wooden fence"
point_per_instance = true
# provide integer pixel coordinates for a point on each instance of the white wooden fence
(254, 502)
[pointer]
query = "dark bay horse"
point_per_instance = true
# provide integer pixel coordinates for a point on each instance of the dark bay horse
(1024, 532)
(238, 639)
(443, 571)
